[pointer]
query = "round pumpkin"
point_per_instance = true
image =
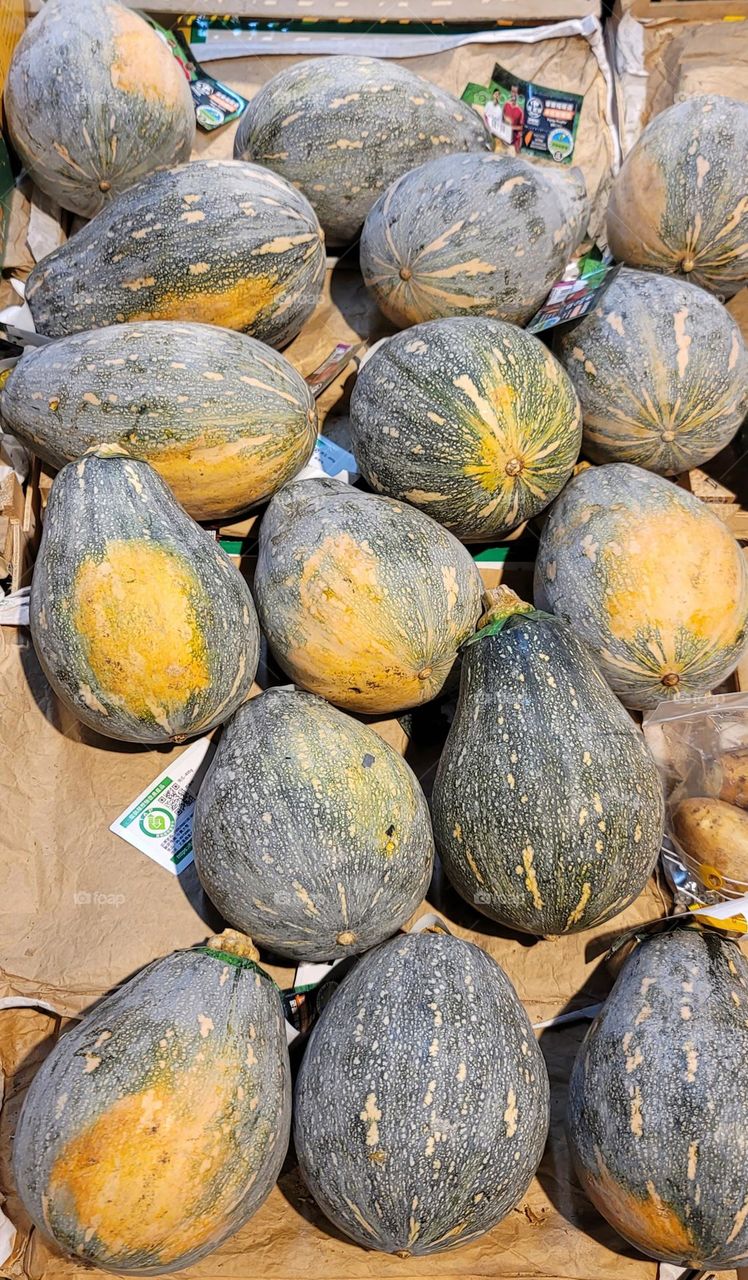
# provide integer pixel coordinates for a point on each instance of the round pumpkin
(342, 128)
(215, 241)
(94, 101)
(471, 235)
(658, 1106)
(363, 600)
(140, 621)
(679, 204)
(649, 579)
(158, 1125)
(661, 370)
(310, 829)
(421, 1105)
(470, 419)
(548, 809)
(224, 419)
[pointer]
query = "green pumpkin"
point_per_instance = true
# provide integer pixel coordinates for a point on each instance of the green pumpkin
(547, 805)
(649, 579)
(95, 101)
(140, 621)
(363, 600)
(224, 419)
(658, 1107)
(481, 235)
(660, 367)
(310, 832)
(468, 418)
(679, 203)
(158, 1125)
(216, 241)
(342, 128)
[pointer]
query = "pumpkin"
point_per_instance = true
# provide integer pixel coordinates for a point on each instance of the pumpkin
(662, 373)
(95, 101)
(421, 1105)
(548, 809)
(470, 419)
(215, 240)
(158, 1125)
(471, 235)
(678, 203)
(658, 1108)
(311, 827)
(342, 128)
(363, 600)
(649, 579)
(140, 621)
(224, 419)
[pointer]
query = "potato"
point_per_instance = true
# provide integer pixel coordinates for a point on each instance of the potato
(733, 785)
(714, 833)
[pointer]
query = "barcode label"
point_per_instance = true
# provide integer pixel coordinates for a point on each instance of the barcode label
(159, 820)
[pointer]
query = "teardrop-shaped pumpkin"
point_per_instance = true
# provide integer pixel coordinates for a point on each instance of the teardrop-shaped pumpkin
(363, 600)
(468, 418)
(158, 1125)
(140, 621)
(649, 579)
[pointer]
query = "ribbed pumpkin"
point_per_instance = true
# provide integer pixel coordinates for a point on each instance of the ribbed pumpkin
(678, 203)
(215, 240)
(662, 373)
(658, 1102)
(224, 419)
(547, 804)
(470, 419)
(158, 1125)
(649, 579)
(342, 128)
(310, 830)
(421, 1106)
(95, 101)
(363, 600)
(471, 235)
(140, 621)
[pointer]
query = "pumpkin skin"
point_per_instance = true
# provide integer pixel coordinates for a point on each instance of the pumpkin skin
(421, 1106)
(662, 373)
(342, 128)
(678, 203)
(140, 621)
(158, 1125)
(658, 1106)
(311, 827)
(95, 101)
(649, 579)
(363, 601)
(471, 235)
(224, 419)
(215, 241)
(548, 809)
(468, 418)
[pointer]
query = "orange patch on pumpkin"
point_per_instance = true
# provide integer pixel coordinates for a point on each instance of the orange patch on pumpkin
(649, 1223)
(142, 64)
(235, 307)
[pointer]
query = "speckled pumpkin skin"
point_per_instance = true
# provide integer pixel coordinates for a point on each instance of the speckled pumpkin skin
(95, 101)
(158, 1125)
(657, 1103)
(421, 1106)
(215, 241)
(363, 600)
(660, 367)
(471, 235)
(547, 804)
(468, 418)
(224, 419)
(342, 128)
(310, 832)
(678, 203)
(140, 621)
(649, 579)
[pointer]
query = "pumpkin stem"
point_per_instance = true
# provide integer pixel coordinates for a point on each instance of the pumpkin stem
(104, 450)
(345, 938)
(499, 603)
(234, 943)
